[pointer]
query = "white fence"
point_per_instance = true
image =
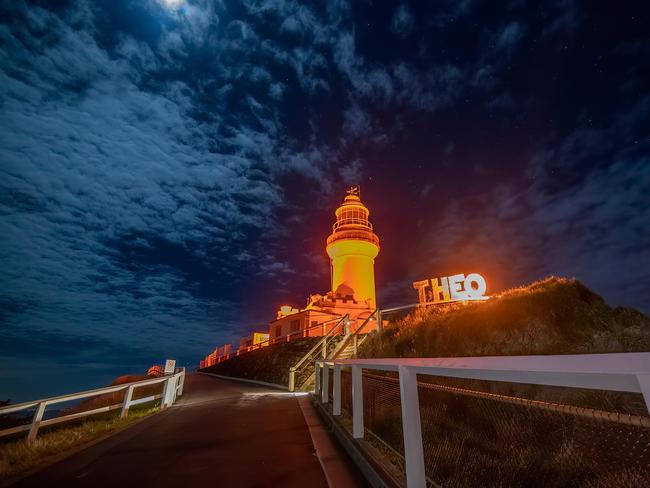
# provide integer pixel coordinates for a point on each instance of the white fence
(173, 387)
(625, 372)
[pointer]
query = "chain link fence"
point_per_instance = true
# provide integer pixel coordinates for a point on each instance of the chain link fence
(479, 433)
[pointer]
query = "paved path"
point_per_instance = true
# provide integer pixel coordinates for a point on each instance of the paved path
(221, 433)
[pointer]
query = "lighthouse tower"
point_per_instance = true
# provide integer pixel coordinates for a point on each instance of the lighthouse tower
(352, 247)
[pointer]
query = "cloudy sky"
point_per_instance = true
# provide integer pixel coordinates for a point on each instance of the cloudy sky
(169, 168)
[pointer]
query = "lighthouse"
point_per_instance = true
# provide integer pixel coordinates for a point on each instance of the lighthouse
(352, 247)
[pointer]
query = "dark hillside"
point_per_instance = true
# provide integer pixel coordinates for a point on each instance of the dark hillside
(474, 436)
(269, 363)
(553, 316)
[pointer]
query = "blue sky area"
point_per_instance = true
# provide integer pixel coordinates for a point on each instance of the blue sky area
(169, 168)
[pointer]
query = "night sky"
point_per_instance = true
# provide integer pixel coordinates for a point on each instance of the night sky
(169, 169)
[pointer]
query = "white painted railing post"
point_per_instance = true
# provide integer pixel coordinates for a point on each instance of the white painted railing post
(326, 384)
(36, 422)
(174, 389)
(127, 401)
(168, 393)
(181, 383)
(357, 402)
(412, 428)
(644, 385)
(336, 390)
(317, 378)
(292, 379)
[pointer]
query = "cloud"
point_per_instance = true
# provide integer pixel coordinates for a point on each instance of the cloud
(589, 227)
(510, 37)
(503, 102)
(357, 122)
(116, 193)
(155, 163)
(403, 21)
(352, 172)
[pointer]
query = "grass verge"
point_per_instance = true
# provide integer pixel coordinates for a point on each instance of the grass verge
(16, 457)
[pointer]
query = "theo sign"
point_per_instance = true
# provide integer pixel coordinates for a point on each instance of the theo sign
(451, 289)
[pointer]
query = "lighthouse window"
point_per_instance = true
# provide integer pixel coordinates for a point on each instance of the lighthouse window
(278, 330)
(353, 214)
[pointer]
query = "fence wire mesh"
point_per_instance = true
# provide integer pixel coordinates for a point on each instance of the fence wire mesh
(474, 434)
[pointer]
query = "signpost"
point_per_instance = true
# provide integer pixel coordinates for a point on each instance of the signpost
(454, 288)
(170, 366)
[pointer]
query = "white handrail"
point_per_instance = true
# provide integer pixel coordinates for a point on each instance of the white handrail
(173, 389)
(321, 344)
(626, 372)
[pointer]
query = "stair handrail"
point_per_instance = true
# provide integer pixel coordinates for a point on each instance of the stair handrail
(353, 335)
(320, 343)
(294, 368)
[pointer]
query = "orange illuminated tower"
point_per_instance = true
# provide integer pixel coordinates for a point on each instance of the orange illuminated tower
(352, 247)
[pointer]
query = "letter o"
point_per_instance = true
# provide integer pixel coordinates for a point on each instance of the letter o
(480, 289)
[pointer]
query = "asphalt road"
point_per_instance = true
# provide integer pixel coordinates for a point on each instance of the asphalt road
(221, 433)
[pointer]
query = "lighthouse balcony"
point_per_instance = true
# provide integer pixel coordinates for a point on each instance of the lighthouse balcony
(353, 234)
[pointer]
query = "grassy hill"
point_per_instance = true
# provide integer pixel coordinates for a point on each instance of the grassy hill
(270, 364)
(472, 441)
(553, 316)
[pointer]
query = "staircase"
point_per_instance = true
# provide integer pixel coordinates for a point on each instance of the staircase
(302, 375)
(349, 351)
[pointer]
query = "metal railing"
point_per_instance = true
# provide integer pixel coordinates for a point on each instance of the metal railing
(320, 348)
(349, 338)
(276, 340)
(620, 372)
(353, 337)
(352, 221)
(361, 235)
(173, 387)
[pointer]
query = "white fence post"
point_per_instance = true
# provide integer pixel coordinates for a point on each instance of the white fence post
(412, 428)
(181, 381)
(36, 422)
(357, 402)
(326, 384)
(127, 401)
(644, 384)
(168, 392)
(292, 379)
(317, 378)
(336, 390)
(174, 390)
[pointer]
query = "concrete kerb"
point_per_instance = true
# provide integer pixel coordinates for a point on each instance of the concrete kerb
(380, 474)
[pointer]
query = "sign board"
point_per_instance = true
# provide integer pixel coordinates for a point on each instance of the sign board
(170, 366)
(451, 289)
